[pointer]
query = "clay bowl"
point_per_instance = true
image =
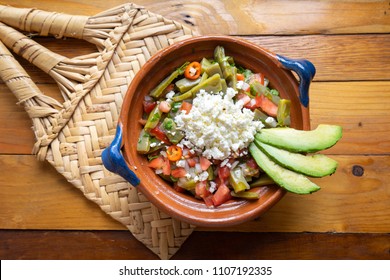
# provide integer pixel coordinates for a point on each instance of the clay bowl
(122, 157)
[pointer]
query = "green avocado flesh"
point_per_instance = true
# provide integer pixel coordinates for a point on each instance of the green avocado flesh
(287, 179)
(293, 140)
(312, 165)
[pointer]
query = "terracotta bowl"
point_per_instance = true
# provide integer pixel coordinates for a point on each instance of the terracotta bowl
(121, 157)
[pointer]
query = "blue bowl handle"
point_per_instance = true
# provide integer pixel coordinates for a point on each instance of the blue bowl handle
(305, 70)
(114, 161)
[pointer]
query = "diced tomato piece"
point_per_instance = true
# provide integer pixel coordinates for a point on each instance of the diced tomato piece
(148, 106)
(208, 200)
(251, 169)
(221, 195)
(156, 163)
(223, 172)
(186, 106)
(169, 88)
(268, 106)
(166, 168)
(204, 163)
(240, 77)
(178, 172)
(159, 134)
(201, 189)
(187, 153)
(178, 188)
(191, 162)
(244, 98)
(252, 163)
(252, 104)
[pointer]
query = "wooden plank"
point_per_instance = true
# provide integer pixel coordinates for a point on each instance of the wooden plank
(351, 200)
(249, 17)
(362, 108)
(362, 111)
(337, 58)
(16, 135)
(29, 202)
(121, 245)
(51, 203)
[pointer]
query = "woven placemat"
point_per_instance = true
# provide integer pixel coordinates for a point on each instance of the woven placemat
(71, 134)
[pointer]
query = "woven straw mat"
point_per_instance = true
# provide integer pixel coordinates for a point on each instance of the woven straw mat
(72, 134)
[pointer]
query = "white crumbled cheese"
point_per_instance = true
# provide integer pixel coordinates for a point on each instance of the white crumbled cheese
(217, 125)
(181, 163)
(163, 153)
(203, 176)
(192, 71)
(271, 121)
(239, 84)
(213, 187)
(170, 95)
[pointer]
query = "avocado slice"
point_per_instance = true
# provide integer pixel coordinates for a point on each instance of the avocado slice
(316, 165)
(287, 179)
(293, 140)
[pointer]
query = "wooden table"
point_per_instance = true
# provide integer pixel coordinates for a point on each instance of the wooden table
(348, 42)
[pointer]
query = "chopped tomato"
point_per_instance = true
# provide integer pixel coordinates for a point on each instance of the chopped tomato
(252, 169)
(159, 134)
(252, 163)
(240, 77)
(187, 153)
(253, 103)
(201, 189)
(208, 200)
(169, 88)
(268, 106)
(221, 195)
(149, 106)
(174, 153)
(178, 172)
(204, 163)
(186, 106)
(178, 189)
(192, 71)
(166, 167)
(223, 172)
(244, 98)
(191, 162)
(156, 163)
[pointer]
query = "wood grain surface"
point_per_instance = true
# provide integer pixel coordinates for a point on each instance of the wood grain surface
(348, 42)
(119, 245)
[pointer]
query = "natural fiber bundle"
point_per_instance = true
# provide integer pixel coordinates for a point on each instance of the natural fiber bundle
(72, 134)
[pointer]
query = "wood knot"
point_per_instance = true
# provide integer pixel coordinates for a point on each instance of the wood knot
(357, 170)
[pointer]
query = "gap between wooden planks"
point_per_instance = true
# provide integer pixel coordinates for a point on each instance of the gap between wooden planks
(347, 202)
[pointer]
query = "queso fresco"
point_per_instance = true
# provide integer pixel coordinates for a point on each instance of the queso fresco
(199, 121)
